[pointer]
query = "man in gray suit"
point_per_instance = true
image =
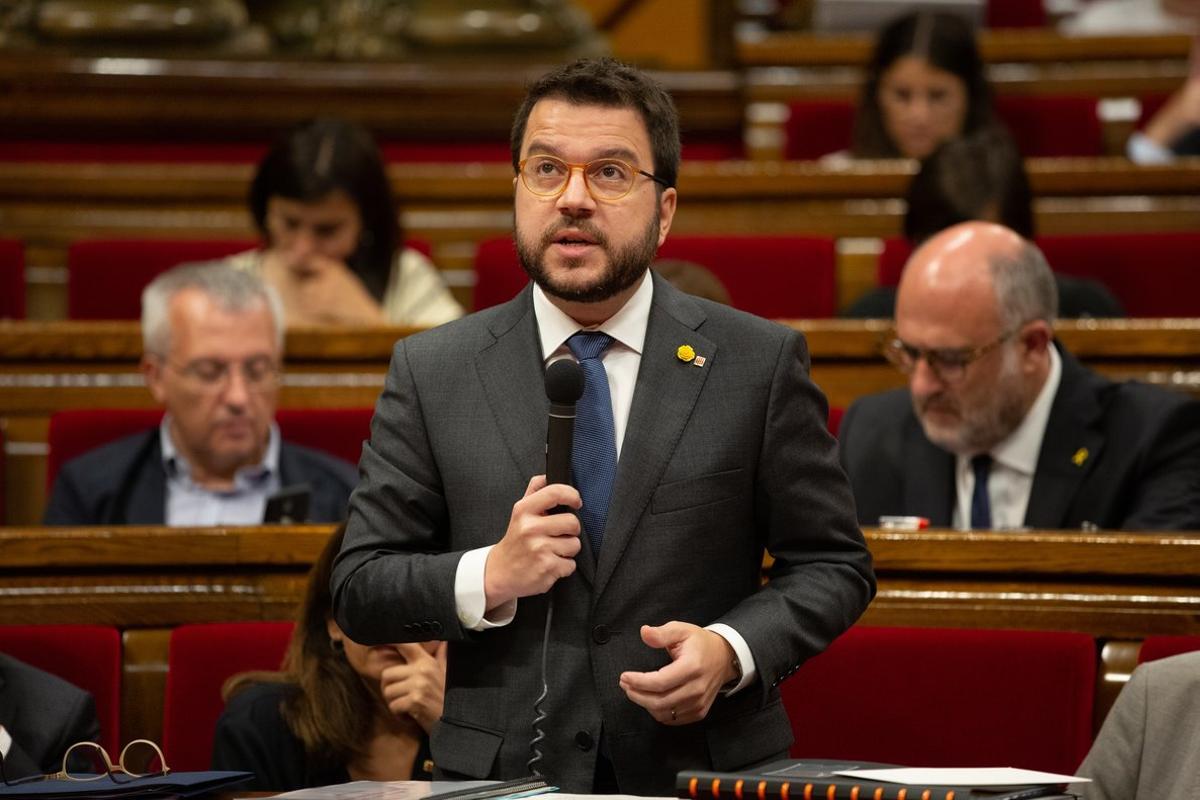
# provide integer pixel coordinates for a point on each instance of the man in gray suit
(1149, 747)
(700, 441)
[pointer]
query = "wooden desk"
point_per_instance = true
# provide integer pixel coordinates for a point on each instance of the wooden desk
(146, 580)
(453, 206)
(45, 367)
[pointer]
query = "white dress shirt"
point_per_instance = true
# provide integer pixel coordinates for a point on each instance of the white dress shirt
(1014, 461)
(621, 362)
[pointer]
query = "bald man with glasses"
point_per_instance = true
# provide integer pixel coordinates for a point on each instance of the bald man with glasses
(1000, 427)
(213, 345)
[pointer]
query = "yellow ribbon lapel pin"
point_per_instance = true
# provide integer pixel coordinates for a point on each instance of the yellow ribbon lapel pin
(1081, 455)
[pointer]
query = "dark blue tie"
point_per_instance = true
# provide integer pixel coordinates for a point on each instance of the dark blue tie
(981, 506)
(594, 454)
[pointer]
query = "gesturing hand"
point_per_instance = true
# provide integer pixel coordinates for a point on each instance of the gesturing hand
(415, 683)
(683, 691)
(538, 548)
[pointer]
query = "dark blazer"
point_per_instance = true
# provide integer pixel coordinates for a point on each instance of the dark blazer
(1141, 471)
(44, 715)
(253, 736)
(718, 461)
(124, 483)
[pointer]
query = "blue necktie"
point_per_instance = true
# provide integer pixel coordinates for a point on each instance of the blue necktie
(594, 454)
(981, 506)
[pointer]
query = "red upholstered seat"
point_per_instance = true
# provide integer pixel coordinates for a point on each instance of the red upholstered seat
(1151, 274)
(337, 431)
(947, 697)
(834, 420)
(105, 278)
(815, 128)
(1052, 125)
(199, 661)
(1016, 14)
(778, 277)
(88, 656)
(1041, 125)
(12, 279)
(1156, 647)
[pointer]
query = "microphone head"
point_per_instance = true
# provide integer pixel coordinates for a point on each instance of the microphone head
(564, 382)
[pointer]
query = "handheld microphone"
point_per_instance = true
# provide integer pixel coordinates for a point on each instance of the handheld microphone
(564, 387)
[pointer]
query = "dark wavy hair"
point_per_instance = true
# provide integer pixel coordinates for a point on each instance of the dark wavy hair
(980, 176)
(332, 709)
(944, 40)
(608, 82)
(324, 155)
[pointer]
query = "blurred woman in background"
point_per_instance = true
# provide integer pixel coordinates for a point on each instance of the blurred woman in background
(339, 711)
(332, 240)
(925, 84)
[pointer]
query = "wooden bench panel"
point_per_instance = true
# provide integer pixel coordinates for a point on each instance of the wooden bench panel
(1118, 587)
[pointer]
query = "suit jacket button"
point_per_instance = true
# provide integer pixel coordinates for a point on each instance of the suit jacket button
(601, 634)
(435, 627)
(583, 740)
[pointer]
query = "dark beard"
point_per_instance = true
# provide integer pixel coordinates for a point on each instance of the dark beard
(625, 266)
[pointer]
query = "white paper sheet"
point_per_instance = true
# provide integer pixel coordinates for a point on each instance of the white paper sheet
(977, 777)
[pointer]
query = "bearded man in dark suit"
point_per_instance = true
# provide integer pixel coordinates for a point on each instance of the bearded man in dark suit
(700, 441)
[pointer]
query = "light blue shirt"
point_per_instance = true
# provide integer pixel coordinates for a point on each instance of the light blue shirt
(188, 503)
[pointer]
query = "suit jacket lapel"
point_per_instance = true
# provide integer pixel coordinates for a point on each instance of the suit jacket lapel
(929, 488)
(666, 393)
(1070, 446)
(147, 503)
(513, 378)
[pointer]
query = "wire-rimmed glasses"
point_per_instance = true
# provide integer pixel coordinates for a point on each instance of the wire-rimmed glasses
(89, 761)
(607, 179)
(211, 376)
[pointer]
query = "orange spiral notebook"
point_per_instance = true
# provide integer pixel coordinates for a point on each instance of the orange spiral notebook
(816, 780)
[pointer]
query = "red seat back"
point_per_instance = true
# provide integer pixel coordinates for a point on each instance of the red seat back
(337, 431)
(199, 661)
(12, 279)
(105, 277)
(1041, 125)
(946, 697)
(88, 656)
(1052, 125)
(1156, 647)
(777, 277)
(1016, 14)
(76, 431)
(815, 128)
(1151, 274)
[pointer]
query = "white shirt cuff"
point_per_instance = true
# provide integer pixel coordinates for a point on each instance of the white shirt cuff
(470, 598)
(5, 742)
(741, 650)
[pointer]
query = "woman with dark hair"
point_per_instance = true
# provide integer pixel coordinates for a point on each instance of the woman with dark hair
(925, 84)
(338, 711)
(333, 245)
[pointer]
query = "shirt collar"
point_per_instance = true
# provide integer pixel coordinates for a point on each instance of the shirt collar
(627, 326)
(1020, 449)
(175, 465)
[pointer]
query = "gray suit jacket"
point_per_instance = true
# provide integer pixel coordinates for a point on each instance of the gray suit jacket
(1149, 747)
(718, 462)
(44, 715)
